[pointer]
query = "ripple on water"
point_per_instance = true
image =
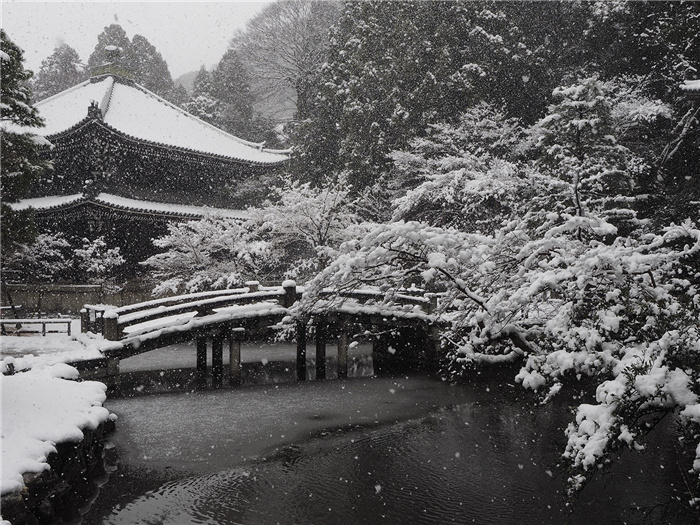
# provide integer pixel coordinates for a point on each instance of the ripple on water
(472, 463)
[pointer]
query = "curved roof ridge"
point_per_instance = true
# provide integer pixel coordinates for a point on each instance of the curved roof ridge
(190, 211)
(61, 93)
(256, 145)
(107, 98)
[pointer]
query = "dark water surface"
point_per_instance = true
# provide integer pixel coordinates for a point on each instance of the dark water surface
(365, 451)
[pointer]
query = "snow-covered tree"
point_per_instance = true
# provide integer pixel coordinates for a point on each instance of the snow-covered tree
(396, 67)
(203, 103)
(94, 262)
(46, 260)
(52, 257)
(230, 85)
(22, 164)
(136, 59)
(579, 145)
(62, 70)
(211, 253)
(305, 227)
(457, 176)
(567, 283)
(624, 313)
(113, 36)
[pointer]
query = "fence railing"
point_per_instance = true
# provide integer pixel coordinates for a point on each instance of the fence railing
(18, 326)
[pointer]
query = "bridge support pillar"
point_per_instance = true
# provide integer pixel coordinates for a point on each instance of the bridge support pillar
(113, 366)
(201, 360)
(217, 360)
(234, 361)
(301, 351)
(343, 354)
(321, 332)
(380, 349)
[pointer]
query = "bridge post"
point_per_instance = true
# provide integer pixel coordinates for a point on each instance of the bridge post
(290, 293)
(380, 349)
(84, 320)
(217, 360)
(253, 286)
(321, 332)
(234, 361)
(113, 366)
(201, 373)
(431, 307)
(301, 351)
(110, 327)
(343, 354)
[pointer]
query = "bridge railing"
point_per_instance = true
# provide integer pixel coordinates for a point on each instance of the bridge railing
(93, 315)
(114, 323)
(427, 301)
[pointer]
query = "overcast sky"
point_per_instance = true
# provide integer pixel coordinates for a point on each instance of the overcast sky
(187, 34)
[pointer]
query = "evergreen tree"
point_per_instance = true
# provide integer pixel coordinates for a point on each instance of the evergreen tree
(230, 85)
(202, 103)
(136, 59)
(112, 35)
(393, 68)
(178, 95)
(150, 70)
(21, 163)
(62, 70)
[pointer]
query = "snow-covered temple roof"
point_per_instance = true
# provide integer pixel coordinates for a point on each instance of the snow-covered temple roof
(139, 114)
(114, 202)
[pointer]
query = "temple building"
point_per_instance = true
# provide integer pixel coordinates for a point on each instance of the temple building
(127, 163)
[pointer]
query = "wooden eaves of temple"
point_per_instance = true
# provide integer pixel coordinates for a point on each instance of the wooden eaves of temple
(127, 163)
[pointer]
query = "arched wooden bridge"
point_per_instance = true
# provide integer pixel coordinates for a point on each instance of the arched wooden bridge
(230, 316)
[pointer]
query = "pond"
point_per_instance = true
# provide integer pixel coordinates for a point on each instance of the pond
(366, 450)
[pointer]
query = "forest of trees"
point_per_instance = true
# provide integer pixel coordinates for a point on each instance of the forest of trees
(535, 163)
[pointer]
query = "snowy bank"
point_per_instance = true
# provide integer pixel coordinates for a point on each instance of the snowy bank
(32, 352)
(41, 408)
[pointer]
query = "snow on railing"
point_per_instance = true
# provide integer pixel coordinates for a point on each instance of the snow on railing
(116, 323)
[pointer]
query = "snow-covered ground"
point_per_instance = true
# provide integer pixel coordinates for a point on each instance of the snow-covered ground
(44, 406)
(40, 408)
(39, 351)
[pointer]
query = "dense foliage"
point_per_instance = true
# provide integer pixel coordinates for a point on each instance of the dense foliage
(136, 59)
(295, 236)
(60, 71)
(54, 258)
(542, 172)
(21, 163)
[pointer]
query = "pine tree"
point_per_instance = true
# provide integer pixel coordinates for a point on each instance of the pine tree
(22, 164)
(112, 35)
(150, 70)
(63, 69)
(395, 67)
(202, 103)
(230, 85)
(178, 95)
(136, 59)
